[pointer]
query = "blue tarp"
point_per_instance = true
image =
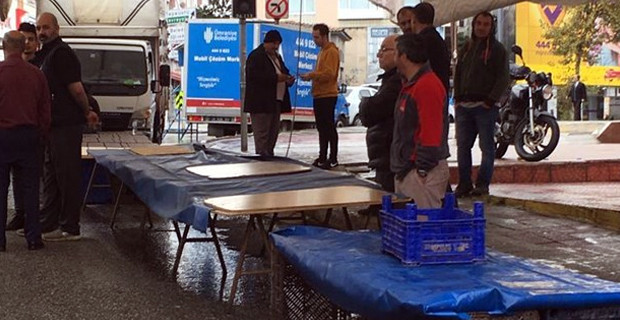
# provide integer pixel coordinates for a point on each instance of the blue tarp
(349, 269)
(169, 190)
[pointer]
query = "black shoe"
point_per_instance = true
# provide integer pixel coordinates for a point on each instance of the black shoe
(330, 165)
(319, 163)
(37, 245)
(463, 192)
(15, 224)
(480, 191)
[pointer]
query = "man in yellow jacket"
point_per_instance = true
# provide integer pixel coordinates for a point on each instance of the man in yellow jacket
(325, 93)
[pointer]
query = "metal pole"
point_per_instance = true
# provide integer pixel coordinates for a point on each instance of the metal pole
(242, 54)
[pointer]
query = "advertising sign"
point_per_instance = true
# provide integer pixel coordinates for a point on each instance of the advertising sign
(537, 49)
(212, 64)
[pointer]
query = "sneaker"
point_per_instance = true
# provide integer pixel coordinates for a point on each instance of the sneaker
(59, 235)
(319, 163)
(330, 165)
(463, 192)
(480, 191)
(21, 232)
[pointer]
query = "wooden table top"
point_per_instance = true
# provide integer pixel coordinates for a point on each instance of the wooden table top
(248, 169)
(304, 199)
(156, 150)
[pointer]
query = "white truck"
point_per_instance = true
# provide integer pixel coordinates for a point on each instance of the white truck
(118, 45)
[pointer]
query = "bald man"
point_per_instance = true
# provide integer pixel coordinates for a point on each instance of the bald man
(377, 114)
(24, 121)
(62, 177)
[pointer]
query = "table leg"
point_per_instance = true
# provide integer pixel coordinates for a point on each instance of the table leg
(347, 218)
(328, 216)
(182, 241)
(220, 256)
(90, 183)
(116, 204)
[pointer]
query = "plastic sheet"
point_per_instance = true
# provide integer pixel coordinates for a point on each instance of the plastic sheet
(169, 190)
(349, 269)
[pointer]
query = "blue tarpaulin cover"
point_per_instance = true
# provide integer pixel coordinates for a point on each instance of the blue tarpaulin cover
(351, 271)
(169, 190)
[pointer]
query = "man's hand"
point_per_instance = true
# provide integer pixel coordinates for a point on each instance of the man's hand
(282, 77)
(290, 80)
(305, 76)
(92, 119)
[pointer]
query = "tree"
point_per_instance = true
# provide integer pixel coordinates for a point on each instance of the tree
(584, 30)
(215, 9)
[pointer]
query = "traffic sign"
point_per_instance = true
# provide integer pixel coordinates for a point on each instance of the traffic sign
(277, 9)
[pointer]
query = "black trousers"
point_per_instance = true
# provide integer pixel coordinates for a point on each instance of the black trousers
(20, 153)
(577, 110)
(62, 179)
(324, 117)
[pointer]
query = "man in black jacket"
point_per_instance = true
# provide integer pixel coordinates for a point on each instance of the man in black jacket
(578, 94)
(266, 94)
(377, 114)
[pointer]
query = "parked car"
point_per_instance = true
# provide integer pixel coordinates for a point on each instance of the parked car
(341, 114)
(354, 95)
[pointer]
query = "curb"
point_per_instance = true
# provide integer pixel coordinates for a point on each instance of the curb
(605, 218)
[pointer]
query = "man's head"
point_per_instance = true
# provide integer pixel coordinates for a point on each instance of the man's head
(576, 78)
(405, 18)
(272, 41)
(13, 43)
(410, 53)
(30, 33)
(423, 15)
(386, 53)
(483, 25)
(320, 34)
(47, 27)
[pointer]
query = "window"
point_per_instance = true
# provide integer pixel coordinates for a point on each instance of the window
(294, 6)
(113, 72)
(365, 93)
(359, 9)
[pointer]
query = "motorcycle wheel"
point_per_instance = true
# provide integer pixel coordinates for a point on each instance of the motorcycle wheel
(537, 145)
(500, 149)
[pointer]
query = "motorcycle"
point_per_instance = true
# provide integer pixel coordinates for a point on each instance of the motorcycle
(523, 119)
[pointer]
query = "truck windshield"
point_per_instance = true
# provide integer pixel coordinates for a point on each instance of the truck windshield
(113, 72)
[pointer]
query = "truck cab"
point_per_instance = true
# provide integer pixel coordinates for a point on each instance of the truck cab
(117, 72)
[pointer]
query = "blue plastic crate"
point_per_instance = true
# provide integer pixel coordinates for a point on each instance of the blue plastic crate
(433, 236)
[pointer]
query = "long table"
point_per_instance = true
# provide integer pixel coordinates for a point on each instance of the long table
(257, 205)
(349, 269)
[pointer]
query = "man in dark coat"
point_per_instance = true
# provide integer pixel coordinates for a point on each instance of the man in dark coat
(578, 94)
(266, 94)
(377, 114)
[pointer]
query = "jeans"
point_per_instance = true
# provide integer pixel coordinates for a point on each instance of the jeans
(324, 117)
(471, 122)
(20, 153)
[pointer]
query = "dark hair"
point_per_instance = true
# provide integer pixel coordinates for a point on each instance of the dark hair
(488, 15)
(322, 28)
(412, 45)
(403, 9)
(27, 27)
(272, 36)
(424, 12)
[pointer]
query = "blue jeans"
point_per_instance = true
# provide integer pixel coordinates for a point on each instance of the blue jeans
(471, 122)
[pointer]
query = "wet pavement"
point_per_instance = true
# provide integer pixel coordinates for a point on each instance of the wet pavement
(126, 273)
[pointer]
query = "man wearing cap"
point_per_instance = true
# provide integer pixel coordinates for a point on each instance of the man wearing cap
(266, 94)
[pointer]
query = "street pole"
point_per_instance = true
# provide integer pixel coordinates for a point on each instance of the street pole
(242, 53)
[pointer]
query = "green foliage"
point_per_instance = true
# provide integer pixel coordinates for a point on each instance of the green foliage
(565, 106)
(215, 9)
(585, 28)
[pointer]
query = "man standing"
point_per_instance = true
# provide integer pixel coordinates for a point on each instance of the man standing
(266, 94)
(480, 79)
(416, 154)
(377, 114)
(325, 92)
(578, 94)
(29, 31)
(24, 122)
(62, 169)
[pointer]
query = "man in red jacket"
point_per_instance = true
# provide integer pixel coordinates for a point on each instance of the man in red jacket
(417, 154)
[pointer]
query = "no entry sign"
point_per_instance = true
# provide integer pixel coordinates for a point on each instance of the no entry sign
(277, 9)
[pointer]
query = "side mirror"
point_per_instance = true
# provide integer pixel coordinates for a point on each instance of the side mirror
(164, 75)
(154, 86)
(517, 50)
